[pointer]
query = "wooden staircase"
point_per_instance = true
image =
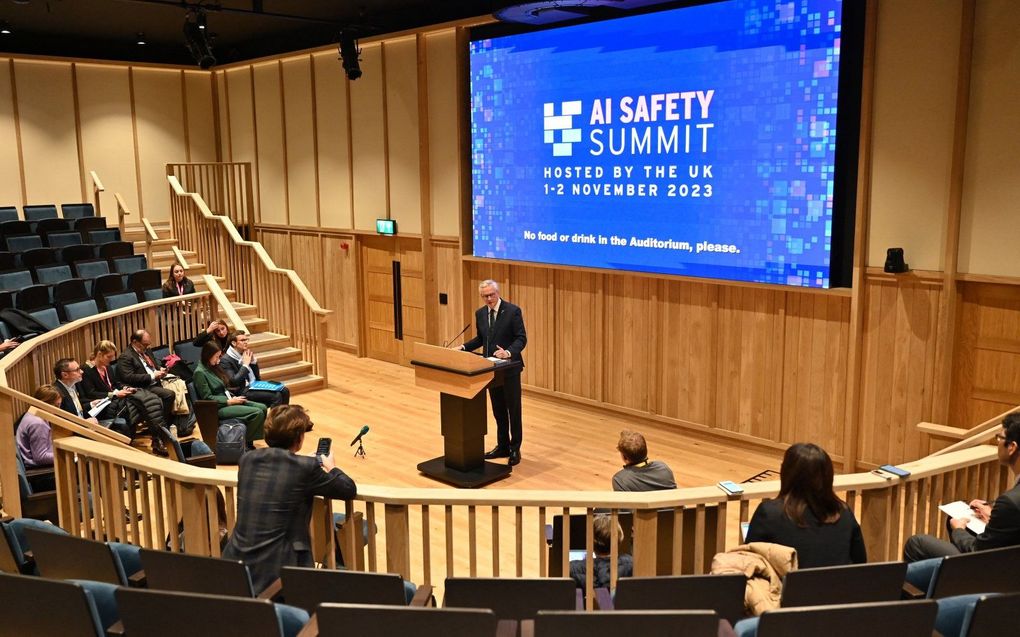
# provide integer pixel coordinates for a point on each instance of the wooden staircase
(278, 359)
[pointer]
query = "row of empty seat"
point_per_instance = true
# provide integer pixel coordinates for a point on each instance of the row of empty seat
(38, 212)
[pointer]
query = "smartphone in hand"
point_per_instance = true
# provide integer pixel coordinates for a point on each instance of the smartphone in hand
(323, 448)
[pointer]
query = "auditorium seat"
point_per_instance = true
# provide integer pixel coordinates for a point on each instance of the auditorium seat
(689, 623)
(78, 310)
(172, 614)
(15, 280)
(77, 210)
(185, 573)
(63, 239)
(979, 615)
(8, 213)
(47, 227)
(48, 317)
(146, 284)
(73, 254)
(128, 264)
(23, 242)
(15, 227)
(52, 273)
(902, 619)
(723, 594)
(46, 607)
(343, 620)
(308, 587)
(36, 490)
(100, 236)
(187, 351)
(115, 249)
(512, 598)
(71, 291)
(88, 224)
(67, 557)
(6, 301)
(991, 571)
(35, 297)
(858, 583)
(194, 453)
(40, 256)
(118, 301)
(8, 261)
(18, 541)
(89, 269)
(40, 212)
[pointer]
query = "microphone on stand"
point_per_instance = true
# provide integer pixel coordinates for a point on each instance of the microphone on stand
(447, 343)
(364, 430)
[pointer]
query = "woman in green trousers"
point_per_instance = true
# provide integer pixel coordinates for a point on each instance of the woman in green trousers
(211, 384)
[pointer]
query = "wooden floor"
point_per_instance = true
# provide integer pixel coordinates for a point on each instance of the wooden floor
(565, 446)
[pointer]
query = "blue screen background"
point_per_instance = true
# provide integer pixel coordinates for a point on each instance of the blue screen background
(766, 196)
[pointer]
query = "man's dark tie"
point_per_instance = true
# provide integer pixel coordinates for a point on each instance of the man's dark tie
(488, 333)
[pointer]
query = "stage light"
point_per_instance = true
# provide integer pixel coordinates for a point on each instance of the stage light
(350, 55)
(140, 38)
(5, 28)
(196, 38)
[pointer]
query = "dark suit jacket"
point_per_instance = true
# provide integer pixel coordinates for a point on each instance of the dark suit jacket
(131, 369)
(507, 332)
(92, 386)
(275, 489)
(817, 544)
(189, 288)
(236, 374)
(67, 403)
(1003, 527)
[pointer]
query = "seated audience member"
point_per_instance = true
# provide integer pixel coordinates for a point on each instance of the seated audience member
(1002, 518)
(241, 366)
(177, 284)
(601, 564)
(807, 515)
(34, 437)
(639, 473)
(275, 489)
(137, 367)
(211, 384)
(68, 374)
(218, 332)
(133, 404)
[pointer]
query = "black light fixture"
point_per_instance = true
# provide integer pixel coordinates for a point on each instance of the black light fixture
(196, 38)
(5, 28)
(894, 263)
(350, 55)
(140, 38)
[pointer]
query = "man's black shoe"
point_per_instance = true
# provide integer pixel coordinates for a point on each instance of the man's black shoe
(497, 452)
(159, 448)
(515, 457)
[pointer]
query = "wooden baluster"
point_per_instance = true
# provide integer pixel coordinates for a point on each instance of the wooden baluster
(398, 548)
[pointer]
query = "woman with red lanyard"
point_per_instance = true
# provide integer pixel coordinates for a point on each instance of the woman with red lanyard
(177, 284)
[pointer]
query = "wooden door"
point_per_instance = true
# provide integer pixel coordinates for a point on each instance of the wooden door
(394, 303)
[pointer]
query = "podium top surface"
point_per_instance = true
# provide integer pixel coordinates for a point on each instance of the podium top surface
(456, 361)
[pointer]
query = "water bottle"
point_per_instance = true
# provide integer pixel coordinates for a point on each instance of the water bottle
(173, 431)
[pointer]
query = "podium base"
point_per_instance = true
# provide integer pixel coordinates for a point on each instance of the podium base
(483, 475)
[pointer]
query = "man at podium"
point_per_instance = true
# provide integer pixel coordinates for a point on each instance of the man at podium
(500, 332)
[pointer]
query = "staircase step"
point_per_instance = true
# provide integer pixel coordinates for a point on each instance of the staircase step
(286, 370)
(306, 383)
(194, 270)
(278, 356)
(166, 258)
(245, 310)
(256, 324)
(266, 341)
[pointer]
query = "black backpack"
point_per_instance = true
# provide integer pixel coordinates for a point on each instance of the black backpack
(230, 441)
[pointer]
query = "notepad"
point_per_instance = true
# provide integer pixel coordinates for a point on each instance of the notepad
(961, 509)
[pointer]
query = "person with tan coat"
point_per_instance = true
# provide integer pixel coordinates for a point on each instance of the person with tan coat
(764, 565)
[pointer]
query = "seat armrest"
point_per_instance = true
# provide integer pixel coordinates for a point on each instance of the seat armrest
(423, 597)
(137, 579)
(271, 591)
(911, 592)
(603, 599)
(116, 629)
(311, 629)
(206, 460)
(508, 628)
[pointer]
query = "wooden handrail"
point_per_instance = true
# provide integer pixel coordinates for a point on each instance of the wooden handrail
(227, 310)
(97, 187)
(976, 435)
(131, 459)
(150, 236)
(122, 211)
(179, 257)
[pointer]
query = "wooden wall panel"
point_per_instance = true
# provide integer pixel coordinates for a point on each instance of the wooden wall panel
(198, 104)
(688, 341)
(900, 328)
(532, 290)
(444, 108)
(159, 118)
(448, 281)
(48, 133)
(630, 334)
(579, 353)
(10, 161)
(340, 287)
(334, 142)
(987, 363)
(223, 104)
(402, 133)
(241, 133)
(271, 152)
(300, 127)
(306, 260)
(277, 244)
(104, 113)
(368, 140)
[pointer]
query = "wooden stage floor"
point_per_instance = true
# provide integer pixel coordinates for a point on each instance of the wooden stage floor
(565, 446)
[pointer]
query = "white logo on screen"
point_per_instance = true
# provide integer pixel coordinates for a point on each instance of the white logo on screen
(562, 124)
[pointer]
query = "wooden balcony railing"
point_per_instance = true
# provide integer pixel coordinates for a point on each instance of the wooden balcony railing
(226, 188)
(279, 294)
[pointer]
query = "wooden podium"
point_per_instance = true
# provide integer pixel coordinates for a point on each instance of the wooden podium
(461, 378)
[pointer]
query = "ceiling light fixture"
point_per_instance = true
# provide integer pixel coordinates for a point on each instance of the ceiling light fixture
(350, 55)
(197, 39)
(5, 28)
(140, 38)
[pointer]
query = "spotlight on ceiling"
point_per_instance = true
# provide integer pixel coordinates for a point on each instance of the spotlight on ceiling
(350, 55)
(5, 28)
(196, 38)
(140, 38)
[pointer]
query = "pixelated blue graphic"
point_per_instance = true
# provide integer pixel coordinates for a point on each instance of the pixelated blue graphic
(625, 144)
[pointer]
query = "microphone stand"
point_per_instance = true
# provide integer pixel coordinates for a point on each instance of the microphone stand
(360, 452)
